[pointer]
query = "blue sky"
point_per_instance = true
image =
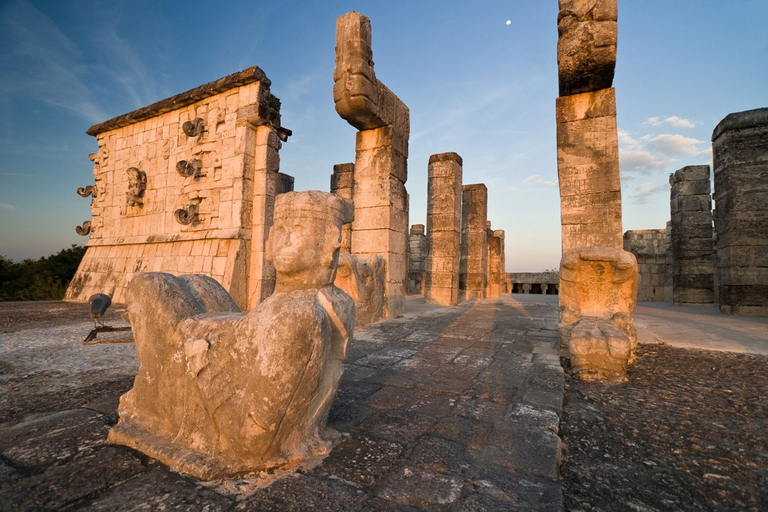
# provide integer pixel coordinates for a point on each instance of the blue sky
(474, 84)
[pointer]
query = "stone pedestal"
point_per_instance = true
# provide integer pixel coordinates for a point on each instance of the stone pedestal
(693, 251)
(588, 170)
(473, 266)
(598, 290)
(740, 150)
(343, 184)
(443, 229)
(383, 121)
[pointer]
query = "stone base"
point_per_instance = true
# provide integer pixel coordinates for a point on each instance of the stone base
(194, 463)
(744, 310)
(597, 349)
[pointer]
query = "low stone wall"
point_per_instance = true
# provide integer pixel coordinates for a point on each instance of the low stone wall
(652, 249)
(545, 283)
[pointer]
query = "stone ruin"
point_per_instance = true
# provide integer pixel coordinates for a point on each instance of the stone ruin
(653, 250)
(417, 256)
(544, 283)
(186, 185)
(594, 339)
(377, 180)
(740, 153)
(473, 264)
(219, 392)
(693, 250)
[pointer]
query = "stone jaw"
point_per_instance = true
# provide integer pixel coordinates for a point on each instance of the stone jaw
(598, 292)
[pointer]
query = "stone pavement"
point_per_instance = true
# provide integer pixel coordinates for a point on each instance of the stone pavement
(445, 408)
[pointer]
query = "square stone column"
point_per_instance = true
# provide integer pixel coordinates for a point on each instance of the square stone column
(693, 250)
(473, 266)
(381, 153)
(740, 151)
(443, 229)
(496, 272)
(417, 259)
(588, 170)
(343, 184)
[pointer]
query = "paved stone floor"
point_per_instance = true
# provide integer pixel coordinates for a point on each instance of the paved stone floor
(442, 409)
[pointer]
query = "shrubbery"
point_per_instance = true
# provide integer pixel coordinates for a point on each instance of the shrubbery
(43, 279)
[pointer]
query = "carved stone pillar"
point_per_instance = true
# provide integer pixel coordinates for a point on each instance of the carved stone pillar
(443, 229)
(473, 268)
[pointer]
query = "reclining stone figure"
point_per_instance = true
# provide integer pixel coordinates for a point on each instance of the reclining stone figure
(221, 392)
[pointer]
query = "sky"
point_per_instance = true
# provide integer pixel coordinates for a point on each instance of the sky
(479, 77)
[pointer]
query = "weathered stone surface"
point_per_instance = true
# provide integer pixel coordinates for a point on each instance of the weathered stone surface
(496, 262)
(653, 251)
(417, 259)
(236, 139)
(473, 265)
(343, 184)
(586, 47)
(444, 203)
(588, 170)
(598, 290)
(693, 250)
(219, 392)
(740, 153)
(381, 160)
(364, 282)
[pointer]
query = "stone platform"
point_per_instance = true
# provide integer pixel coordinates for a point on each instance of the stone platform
(444, 408)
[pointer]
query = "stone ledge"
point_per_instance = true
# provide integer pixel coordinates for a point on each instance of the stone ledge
(220, 234)
(247, 76)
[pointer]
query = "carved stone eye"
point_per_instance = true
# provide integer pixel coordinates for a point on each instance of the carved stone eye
(189, 168)
(194, 128)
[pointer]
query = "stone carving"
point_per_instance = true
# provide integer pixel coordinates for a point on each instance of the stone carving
(598, 291)
(586, 47)
(194, 128)
(381, 161)
(363, 280)
(90, 190)
(85, 229)
(190, 168)
(362, 100)
(221, 393)
(188, 215)
(137, 184)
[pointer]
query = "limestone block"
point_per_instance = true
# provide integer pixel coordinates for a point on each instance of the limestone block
(598, 292)
(586, 47)
(221, 393)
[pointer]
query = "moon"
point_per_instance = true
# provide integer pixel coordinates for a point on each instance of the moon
(509, 22)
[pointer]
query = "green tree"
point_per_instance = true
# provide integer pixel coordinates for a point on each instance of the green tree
(43, 279)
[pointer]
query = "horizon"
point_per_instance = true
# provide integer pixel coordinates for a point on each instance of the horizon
(480, 82)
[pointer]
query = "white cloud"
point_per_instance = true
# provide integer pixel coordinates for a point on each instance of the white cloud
(644, 191)
(674, 121)
(672, 144)
(640, 161)
(6, 206)
(530, 178)
(626, 141)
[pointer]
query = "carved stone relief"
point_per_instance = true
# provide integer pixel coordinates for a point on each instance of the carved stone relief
(190, 168)
(85, 229)
(194, 128)
(137, 184)
(90, 190)
(188, 215)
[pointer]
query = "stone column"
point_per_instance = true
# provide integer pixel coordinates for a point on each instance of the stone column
(381, 169)
(590, 195)
(693, 250)
(443, 229)
(496, 271)
(417, 258)
(587, 140)
(740, 151)
(343, 184)
(473, 267)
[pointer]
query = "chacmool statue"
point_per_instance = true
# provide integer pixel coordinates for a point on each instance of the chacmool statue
(220, 392)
